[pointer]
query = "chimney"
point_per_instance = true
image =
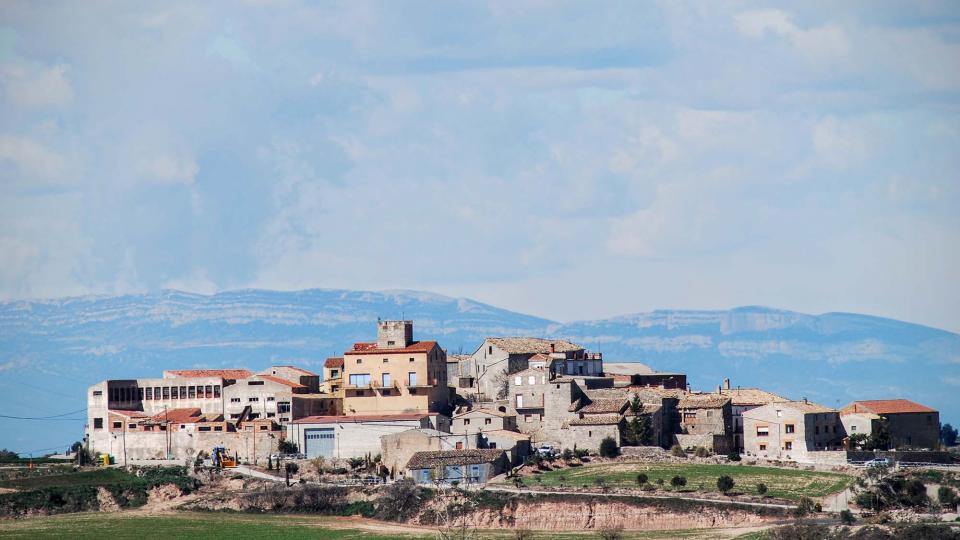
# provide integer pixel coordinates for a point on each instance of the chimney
(805, 399)
(726, 384)
(553, 347)
(718, 389)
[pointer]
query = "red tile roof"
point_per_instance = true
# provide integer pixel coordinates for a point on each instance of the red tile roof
(335, 362)
(178, 416)
(415, 347)
(128, 414)
(278, 380)
(362, 418)
(886, 406)
(222, 373)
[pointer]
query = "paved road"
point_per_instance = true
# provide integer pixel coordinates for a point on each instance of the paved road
(506, 489)
(243, 469)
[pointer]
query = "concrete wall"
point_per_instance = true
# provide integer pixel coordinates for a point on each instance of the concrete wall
(185, 444)
(356, 439)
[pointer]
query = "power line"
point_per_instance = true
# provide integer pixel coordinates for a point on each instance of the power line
(52, 417)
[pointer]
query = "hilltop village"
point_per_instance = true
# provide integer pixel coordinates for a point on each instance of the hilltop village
(477, 416)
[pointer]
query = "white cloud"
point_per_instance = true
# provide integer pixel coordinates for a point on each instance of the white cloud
(839, 143)
(197, 281)
(30, 157)
(823, 43)
(34, 85)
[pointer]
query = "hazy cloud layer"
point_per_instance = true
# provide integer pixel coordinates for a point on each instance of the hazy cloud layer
(568, 160)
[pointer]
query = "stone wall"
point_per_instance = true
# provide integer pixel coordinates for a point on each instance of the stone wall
(185, 445)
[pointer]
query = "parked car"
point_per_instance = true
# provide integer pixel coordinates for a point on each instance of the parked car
(546, 450)
(877, 462)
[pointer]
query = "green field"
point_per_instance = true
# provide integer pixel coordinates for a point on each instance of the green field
(96, 477)
(229, 526)
(781, 483)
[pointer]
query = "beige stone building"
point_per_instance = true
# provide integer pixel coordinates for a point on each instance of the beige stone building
(482, 420)
(706, 420)
(333, 376)
(791, 430)
(911, 425)
(396, 449)
(742, 400)
(395, 374)
(500, 356)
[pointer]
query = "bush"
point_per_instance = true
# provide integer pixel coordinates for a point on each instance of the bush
(400, 501)
(580, 453)
(608, 448)
(567, 454)
(701, 452)
(761, 489)
(725, 483)
(947, 496)
(804, 507)
(677, 451)
(642, 479)
(610, 533)
(733, 456)
(846, 517)
(288, 447)
(678, 481)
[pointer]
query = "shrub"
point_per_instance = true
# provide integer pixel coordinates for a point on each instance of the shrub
(659, 481)
(288, 447)
(677, 451)
(733, 456)
(701, 452)
(580, 453)
(725, 483)
(947, 496)
(846, 517)
(608, 448)
(400, 501)
(567, 455)
(678, 481)
(761, 489)
(804, 507)
(642, 479)
(610, 533)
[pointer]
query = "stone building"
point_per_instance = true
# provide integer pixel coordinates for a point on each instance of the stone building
(706, 420)
(637, 374)
(477, 420)
(791, 430)
(395, 374)
(460, 466)
(396, 449)
(911, 425)
(742, 400)
(497, 357)
(333, 376)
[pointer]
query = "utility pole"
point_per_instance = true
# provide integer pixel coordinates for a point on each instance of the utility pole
(166, 420)
(125, 442)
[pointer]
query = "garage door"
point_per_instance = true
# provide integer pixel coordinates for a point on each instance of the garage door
(319, 442)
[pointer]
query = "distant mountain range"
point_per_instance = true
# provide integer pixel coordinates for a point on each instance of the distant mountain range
(51, 350)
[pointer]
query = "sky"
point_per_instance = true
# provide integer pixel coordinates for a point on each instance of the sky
(569, 160)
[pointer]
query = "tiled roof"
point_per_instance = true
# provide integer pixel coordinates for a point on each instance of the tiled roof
(335, 362)
(177, 416)
(279, 380)
(887, 406)
(222, 373)
(491, 412)
(627, 368)
(361, 418)
(597, 420)
(128, 414)
(540, 357)
(371, 348)
(751, 396)
(704, 401)
(299, 370)
(431, 459)
(528, 345)
(805, 406)
(604, 406)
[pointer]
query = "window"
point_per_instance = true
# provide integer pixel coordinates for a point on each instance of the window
(385, 379)
(149, 394)
(140, 393)
(334, 373)
(359, 360)
(532, 379)
(360, 380)
(204, 428)
(412, 378)
(466, 421)
(264, 428)
(518, 381)
(389, 343)
(519, 401)
(789, 428)
(216, 390)
(253, 399)
(411, 359)
(98, 392)
(853, 428)
(174, 392)
(118, 425)
(763, 447)
(763, 431)
(527, 418)
(131, 426)
(218, 428)
(234, 400)
(709, 414)
(788, 445)
(156, 392)
(254, 383)
(459, 445)
(183, 392)
(386, 360)
(166, 392)
(193, 391)
(779, 413)
(209, 392)
(283, 406)
(816, 430)
(489, 349)
(271, 415)
(486, 421)
(271, 398)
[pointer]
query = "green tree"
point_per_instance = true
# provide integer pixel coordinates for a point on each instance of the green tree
(608, 448)
(761, 489)
(948, 435)
(725, 483)
(857, 441)
(291, 469)
(846, 517)
(642, 479)
(638, 430)
(287, 447)
(947, 496)
(678, 481)
(880, 437)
